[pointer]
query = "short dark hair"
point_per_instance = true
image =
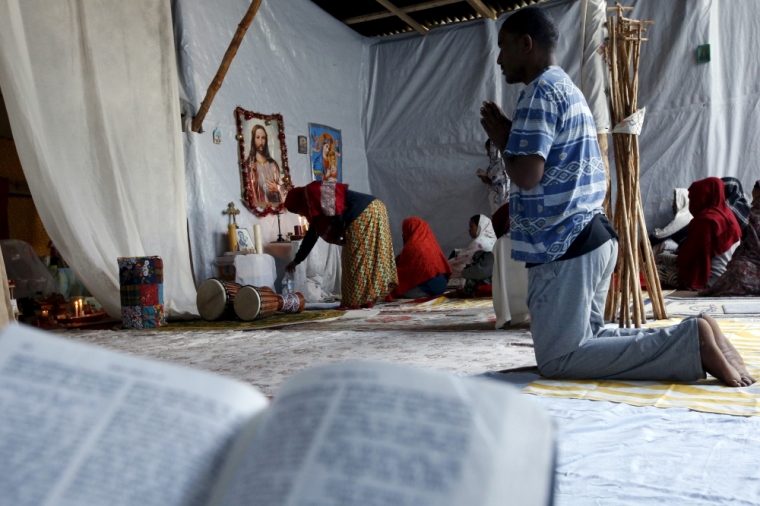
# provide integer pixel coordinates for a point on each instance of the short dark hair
(537, 23)
(475, 219)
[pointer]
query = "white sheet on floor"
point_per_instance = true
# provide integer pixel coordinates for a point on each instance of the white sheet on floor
(612, 453)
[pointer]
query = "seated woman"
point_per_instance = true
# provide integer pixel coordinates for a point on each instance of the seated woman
(736, 200)
(481, 230)
(669, 237)
(713, 236)
(359, 223)
(478, 273)
(665, 241)
(742, 276)
(422, 269)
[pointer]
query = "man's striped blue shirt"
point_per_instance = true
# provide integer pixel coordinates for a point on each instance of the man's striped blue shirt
(552, 119)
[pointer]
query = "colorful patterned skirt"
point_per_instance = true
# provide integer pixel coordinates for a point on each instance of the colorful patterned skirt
(369, 268)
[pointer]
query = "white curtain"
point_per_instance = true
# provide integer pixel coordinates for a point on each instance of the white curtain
(92, 96)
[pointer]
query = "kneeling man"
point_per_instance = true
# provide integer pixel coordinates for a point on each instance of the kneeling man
(559, 230)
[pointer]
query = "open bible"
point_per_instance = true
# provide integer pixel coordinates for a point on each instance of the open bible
(80, 425)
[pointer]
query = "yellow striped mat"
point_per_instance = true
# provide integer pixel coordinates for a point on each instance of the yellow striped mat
(707, 395)
(442, 304)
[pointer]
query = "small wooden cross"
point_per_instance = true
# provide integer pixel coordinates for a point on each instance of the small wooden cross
(232, 212)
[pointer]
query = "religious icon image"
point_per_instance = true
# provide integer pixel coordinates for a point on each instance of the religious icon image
(244, 240)
(326, 153)
(303, 144)
(263, 159)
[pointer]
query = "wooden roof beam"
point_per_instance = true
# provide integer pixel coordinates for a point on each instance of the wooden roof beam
(482, 9)
(406, 10)
(405, 17)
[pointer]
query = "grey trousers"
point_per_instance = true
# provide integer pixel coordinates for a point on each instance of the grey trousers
(566, 302)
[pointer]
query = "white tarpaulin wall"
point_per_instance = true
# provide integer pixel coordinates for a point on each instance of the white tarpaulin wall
(91, 92)
(295, 60)
(593, 72)
(103, 81)
(424, 141)
(413, 103)
(702, 119)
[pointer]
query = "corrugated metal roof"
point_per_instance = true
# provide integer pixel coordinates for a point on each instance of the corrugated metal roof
(379, 18)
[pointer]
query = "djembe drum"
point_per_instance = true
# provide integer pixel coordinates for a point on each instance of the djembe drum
(215, 299)
(292, 302)
(255, 303)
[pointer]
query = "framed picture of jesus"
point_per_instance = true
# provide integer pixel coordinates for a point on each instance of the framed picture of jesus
(265, 175)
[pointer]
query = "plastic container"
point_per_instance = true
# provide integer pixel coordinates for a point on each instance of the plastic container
(287, 283)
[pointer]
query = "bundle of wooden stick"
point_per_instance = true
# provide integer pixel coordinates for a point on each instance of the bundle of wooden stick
(625, 301)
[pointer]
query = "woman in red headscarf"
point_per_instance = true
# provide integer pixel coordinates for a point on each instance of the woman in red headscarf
(359, 223)
(423, 271)
(742, 276)
(713, 235)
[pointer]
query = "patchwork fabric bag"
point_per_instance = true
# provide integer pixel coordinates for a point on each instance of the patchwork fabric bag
(141, 280)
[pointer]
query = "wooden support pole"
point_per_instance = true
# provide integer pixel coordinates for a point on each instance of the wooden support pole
(406, 10)
(404, 16)
(634, 254)
(216, 83)
(482, 9)
(604, 147)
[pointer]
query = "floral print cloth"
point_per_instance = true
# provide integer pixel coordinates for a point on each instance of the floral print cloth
(742, 276)
(141, 282)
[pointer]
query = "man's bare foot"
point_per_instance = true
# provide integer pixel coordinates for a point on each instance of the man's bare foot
(730, 352)
(713, 359)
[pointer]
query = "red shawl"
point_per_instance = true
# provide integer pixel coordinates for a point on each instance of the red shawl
(712, 232)
(421, 259)
(319, 202)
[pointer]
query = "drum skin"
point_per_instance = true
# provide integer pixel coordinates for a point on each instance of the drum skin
(254, 303)
(215, 299)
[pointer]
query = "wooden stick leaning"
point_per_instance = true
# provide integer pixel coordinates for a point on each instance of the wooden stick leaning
(216, 83)
(613, 301)
(628, 266)
(634, 254)
(625, 260)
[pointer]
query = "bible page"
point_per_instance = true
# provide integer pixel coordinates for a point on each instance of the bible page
(83, 425)
(379, 434)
